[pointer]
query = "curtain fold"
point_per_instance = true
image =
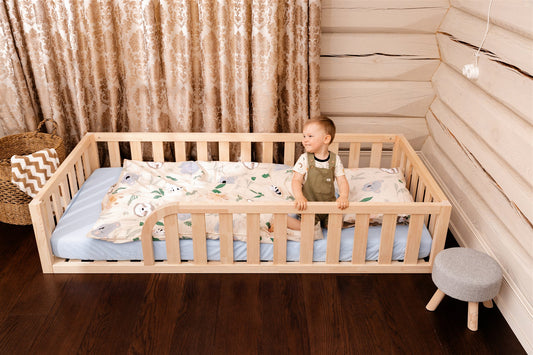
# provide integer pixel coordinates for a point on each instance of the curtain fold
(166, 65)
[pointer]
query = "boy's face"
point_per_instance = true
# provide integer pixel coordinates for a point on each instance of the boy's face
(315, 138)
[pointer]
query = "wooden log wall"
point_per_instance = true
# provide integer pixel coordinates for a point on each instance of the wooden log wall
(377, 60)
(481, 142)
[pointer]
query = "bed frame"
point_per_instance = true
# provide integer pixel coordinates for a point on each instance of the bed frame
(431, 206)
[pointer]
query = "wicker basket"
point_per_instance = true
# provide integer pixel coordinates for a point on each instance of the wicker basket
(14, 203)
(28, 143)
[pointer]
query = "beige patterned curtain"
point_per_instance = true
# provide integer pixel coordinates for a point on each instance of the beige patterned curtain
(161, 65)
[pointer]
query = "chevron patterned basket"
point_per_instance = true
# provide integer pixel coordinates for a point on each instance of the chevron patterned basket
(28, 143)
(14, 203)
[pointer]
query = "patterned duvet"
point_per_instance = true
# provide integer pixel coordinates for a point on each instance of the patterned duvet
(144, 186)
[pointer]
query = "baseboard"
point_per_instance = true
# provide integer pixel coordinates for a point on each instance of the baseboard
(510, 301)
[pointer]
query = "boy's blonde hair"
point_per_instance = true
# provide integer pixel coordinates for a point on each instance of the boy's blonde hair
(326, 123)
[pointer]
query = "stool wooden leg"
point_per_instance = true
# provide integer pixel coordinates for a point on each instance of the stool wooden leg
(435, 300)
(488, 304)
(472, 315)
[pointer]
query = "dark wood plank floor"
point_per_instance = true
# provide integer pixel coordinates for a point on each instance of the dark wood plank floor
(229, 314)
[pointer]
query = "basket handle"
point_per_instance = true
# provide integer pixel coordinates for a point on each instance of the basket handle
(54, 126)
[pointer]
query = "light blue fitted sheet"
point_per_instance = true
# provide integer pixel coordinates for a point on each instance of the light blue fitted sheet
(69, 239)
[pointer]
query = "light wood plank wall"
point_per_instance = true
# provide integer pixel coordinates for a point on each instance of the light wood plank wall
(481, 142)
(377, 60)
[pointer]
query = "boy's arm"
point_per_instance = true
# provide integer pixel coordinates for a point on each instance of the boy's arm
(297, 182)
(344, 191)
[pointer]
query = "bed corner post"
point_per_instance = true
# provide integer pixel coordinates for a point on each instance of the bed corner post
(41, 236)
(396, 150)
(94, 159)
(441, 230)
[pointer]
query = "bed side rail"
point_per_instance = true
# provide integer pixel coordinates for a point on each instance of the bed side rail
(423, 188)
(153, 146)
(50, 203)
(418, 211)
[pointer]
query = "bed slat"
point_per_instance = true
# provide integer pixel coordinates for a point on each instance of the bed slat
(420, 190)
(79, 172)
(56, 203)
(387, 238)
(223, 151)
(395, 159)
(202, 151)
(334, 238)
(403, 162)
(71, 175)
(288, 154)
(414, 183)
(50, 215)
(94, 160)
(307, 238)
(148, 248)
(427, 198)
(252, 238)
(355, 151)
(114, 154)
(64, 193)
(157, 151)
(136, 151)
(408, 172)
(439, 231)
(199, 238)
(226, 238)
(432, 221)
(246, 151)
(86, 164)
(413, 238)
(360, 238)
(375, 155)
(172, 240)
(280, 238)
(179, 149)
(268, 152)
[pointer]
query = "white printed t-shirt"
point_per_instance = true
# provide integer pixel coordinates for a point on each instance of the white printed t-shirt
(302, 165)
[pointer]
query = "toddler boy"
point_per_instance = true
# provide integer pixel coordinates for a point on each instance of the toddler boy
(317, 169)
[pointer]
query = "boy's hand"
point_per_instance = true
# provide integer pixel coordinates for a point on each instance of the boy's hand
(342, 202)
(300, 203)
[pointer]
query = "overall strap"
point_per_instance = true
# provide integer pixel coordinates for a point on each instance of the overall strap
(310, 160)
(332, 160)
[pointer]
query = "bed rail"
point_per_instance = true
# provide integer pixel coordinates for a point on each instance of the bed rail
(360, 150)
(411, 263)
(48, 205)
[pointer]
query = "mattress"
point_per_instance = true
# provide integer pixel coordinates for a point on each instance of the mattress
(69, 238)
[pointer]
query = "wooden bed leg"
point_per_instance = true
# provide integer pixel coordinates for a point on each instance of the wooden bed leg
(488, 304)
(472, 315)
(435, 300)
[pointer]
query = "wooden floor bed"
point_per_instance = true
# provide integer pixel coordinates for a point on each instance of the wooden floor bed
(430, 207)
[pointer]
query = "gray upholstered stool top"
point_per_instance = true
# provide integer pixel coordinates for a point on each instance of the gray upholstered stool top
(467, 275)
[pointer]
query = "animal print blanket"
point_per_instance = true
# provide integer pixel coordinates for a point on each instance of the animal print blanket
(144, 186)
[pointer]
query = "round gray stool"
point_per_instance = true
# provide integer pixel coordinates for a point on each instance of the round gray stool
(467, 275)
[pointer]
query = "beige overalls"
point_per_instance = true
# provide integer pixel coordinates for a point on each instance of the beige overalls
(320, 184)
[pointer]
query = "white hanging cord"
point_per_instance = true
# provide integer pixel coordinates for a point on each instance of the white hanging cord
(486, 32)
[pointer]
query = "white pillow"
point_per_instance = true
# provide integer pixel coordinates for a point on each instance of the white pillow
(377, 185)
